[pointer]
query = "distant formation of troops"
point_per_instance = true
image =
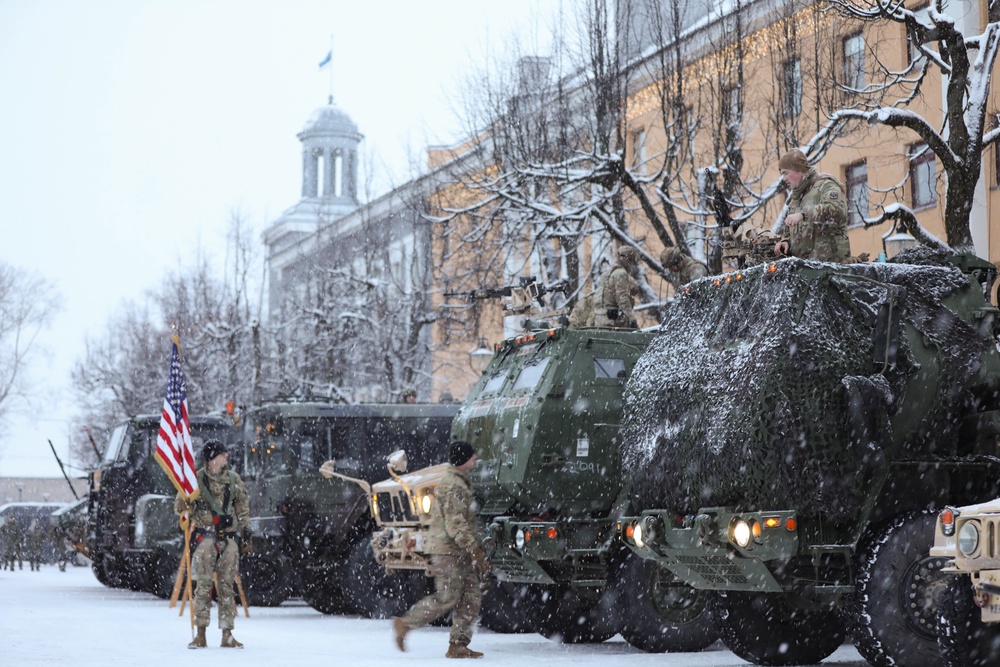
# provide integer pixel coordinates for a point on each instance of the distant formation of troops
(14, 543)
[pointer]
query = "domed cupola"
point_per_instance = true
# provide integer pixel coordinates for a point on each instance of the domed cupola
(330, 142)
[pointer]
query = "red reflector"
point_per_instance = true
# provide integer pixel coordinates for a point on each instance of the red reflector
(791, 524)
(551, 533)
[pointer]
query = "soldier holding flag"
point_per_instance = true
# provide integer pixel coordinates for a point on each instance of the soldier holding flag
(213, 505)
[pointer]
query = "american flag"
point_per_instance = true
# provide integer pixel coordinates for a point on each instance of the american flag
(174, 452)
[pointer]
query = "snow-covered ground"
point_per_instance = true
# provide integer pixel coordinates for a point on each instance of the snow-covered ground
(68, 618)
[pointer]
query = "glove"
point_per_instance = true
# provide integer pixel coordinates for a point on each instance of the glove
(246, 542)
(481, 563)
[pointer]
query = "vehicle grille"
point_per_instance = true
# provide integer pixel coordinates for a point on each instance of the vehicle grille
(717, 570)
(394, 507)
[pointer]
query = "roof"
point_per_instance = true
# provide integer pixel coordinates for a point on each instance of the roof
(329, 119)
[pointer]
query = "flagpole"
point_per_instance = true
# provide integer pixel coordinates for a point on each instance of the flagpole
(331, 69)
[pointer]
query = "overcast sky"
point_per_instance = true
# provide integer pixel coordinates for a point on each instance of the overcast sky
(131, 130)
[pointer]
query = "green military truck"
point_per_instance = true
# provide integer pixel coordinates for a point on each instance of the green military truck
(791, 434)
(968, 539)
(544, 419)
(312, 530)
(133, 538)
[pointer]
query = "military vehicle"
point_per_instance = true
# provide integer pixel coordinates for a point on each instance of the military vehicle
(968, 538)
(133, 539)
(544, 420)
(312, 530)
(790, 434)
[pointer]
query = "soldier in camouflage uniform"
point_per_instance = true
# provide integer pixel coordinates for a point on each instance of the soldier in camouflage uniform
(613, 307)
(458, 560)
(36, 541)
(816, 219)
(220, 529)
(681, 268)
(12, 536)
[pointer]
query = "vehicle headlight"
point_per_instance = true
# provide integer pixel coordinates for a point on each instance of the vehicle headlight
(519, 538)
(425, 503)
(640, 541)
(740, 533)
(375, 505)
(968, 538)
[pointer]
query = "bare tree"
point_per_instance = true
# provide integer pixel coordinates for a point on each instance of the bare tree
(27, 305)
(965, 62)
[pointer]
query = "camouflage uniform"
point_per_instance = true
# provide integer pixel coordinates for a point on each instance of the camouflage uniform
(615, 298)
(822, 233)
(12, 537)
(36, 540)
(217, 551)
(454, 545)
(582, 314)
(691, 269)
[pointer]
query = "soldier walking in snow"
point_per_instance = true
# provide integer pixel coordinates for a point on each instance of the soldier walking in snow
(12, 537)
(458, 559)
(220, 523)
(816, 217)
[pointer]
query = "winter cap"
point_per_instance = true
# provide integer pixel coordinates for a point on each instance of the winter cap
(794, 160)
(460, 453)
(212, 449)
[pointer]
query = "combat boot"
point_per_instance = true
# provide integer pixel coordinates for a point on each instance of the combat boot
(228, 641)
(399, 631)
(199, 640)
(457, 651)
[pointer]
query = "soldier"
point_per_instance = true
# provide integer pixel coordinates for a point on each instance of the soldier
(457, 557)
(613, 307)
(36, 540)
(220, 516)
(681, 268)
(409, 395)
(816, 218)
(12, 537)
(582, 314)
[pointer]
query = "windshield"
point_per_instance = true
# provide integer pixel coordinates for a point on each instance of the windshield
(115, 445)
(531, 374)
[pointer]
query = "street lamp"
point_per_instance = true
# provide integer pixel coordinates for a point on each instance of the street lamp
(20, 491)
(480, 356)
(896, 240)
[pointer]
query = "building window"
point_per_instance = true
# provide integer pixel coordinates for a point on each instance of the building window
(639, 151)
(857, 193)
(732, 101)
(923, 176)
(916, 56)
(792, 88)
(854, 63)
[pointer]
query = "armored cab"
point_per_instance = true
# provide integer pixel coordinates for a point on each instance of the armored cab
(790, 433)
(312, 531)
(968, 538)
(133, 537)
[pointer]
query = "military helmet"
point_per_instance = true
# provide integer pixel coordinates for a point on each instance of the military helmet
(671, 256)
(627, 255)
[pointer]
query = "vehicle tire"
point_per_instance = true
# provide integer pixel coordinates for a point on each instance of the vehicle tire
(658, 611)
(265, 580)
(322, 592)
(97, 566)
(767, 629)
(963, 639)
(509, 608)
(162, 574)
(893, 613)
(373, 592)
(567, 617)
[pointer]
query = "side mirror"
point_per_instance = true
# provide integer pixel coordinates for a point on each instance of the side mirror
(398, 461)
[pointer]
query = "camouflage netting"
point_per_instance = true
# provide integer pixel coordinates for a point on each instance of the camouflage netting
(763, 393)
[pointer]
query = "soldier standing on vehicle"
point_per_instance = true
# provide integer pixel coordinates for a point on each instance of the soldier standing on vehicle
(220, 529)
(617, 293)
(409, 395)
(816, 217)
(36, 540)
(457, 557)
(681, 268)
(12, 537)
